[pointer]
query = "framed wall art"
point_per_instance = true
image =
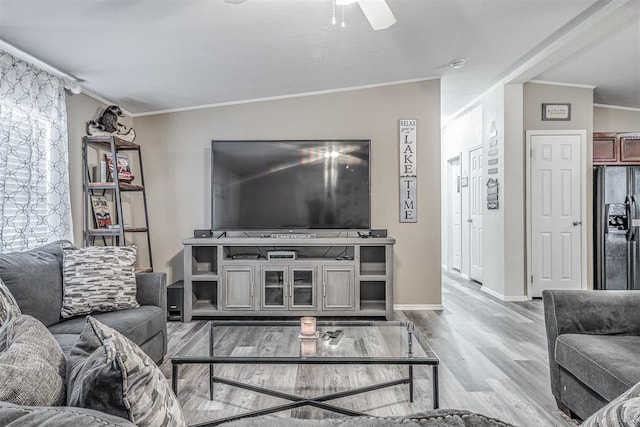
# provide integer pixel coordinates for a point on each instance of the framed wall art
(560, 112)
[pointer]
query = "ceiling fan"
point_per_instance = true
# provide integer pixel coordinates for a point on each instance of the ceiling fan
(377, 12)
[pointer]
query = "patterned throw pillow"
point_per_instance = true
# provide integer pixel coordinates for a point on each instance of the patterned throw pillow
(110, 373)
(8, 303)
(98, 278)
(624, 410)
(32, 365)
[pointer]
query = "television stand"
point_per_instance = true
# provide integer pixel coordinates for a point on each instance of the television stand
(329, 276)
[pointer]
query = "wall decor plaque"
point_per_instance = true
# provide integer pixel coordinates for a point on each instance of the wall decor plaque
(408, 171)
(492, 193)
(552, 111)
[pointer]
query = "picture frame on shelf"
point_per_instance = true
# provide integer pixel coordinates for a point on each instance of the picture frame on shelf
(124, 169)
(101, 211)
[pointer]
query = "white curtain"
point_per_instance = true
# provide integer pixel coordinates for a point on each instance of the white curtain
(34, 183)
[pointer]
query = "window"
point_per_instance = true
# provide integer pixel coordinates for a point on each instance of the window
(34, 187)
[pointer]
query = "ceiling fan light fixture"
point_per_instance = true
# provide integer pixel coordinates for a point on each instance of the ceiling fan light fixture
(377, 13)
(456, 64)
(344, 2)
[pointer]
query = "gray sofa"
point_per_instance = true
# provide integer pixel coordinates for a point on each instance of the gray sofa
(35, 280)
(78, 417)
(593, 338)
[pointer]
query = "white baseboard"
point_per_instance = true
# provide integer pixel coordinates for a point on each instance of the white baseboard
(412, 307)
(522, 298)
(501, 297)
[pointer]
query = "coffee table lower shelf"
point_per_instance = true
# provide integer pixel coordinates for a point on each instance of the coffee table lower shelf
(298, 401)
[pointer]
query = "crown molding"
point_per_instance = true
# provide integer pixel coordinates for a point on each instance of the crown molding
(280, 97)
(578, 85)
(617, 107)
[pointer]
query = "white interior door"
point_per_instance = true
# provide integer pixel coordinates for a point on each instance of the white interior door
(455, 214)
(556, 197)
(476, 196)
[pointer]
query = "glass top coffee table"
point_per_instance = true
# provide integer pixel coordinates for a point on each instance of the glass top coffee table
(338, 342)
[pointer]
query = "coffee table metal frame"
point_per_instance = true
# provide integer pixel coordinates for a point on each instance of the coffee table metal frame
(297, 401)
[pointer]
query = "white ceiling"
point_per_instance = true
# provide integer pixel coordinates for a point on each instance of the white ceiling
(157, 55)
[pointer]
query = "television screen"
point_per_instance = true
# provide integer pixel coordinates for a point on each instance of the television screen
(292, 185)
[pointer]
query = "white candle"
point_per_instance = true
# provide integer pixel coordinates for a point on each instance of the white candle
(307, 347)
(308, 326)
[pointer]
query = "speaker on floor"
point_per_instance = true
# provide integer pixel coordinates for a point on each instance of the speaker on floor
(175, 298)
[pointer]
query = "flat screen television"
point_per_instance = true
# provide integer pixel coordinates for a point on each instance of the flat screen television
(290, 185)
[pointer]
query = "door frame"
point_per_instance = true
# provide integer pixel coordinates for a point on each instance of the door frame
(583, 204)
(449, 212)
(469, 232)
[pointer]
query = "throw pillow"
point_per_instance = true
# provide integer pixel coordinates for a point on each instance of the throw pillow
(32, 365)
(110, 373)
(624, 410)
(8, 303)
(98, 278)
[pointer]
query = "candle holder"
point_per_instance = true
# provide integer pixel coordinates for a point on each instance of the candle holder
(308, 326)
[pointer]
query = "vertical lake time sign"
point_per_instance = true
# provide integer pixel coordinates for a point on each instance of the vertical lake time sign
(408, 172)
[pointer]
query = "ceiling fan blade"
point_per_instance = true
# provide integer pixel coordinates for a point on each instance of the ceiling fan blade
(234, 1)
(378, 13)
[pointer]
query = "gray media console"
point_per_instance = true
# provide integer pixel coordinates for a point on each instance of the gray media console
(265, 276)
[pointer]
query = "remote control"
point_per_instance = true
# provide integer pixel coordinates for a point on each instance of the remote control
(336, 336)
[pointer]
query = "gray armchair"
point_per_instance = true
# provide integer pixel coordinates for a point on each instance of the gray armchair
(593, 338)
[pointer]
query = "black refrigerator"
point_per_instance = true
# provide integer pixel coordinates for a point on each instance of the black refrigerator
(616, 221)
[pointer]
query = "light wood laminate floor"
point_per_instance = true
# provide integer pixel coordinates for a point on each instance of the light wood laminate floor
(493, 360)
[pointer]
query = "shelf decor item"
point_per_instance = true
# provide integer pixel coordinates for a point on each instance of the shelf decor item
(124, 170)
(101, 211)
(107, 125)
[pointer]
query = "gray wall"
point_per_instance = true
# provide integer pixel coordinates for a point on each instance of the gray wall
(176, 149)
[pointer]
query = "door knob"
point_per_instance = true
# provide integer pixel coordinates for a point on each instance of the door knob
(576, 223)
(469, 220)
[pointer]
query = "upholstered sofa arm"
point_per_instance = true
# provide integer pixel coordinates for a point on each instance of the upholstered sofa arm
(152, 289)
(587, 312)
(56, 416)
(592, 312)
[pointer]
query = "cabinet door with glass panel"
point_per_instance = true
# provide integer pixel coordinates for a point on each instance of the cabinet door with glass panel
(287, 288)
